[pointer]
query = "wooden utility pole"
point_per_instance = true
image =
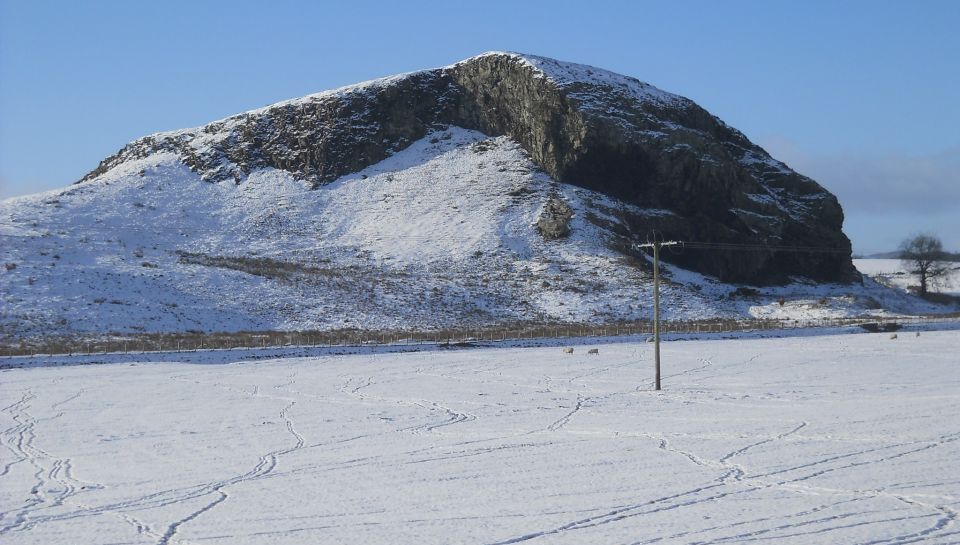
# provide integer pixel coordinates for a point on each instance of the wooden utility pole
(656, 304)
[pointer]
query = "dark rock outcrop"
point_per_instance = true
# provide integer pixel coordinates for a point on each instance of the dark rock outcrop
(554, 220)
(581, 125)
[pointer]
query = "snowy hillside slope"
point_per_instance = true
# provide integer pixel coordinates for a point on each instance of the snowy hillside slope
(436, 235)
(440, 234)
(581, 125)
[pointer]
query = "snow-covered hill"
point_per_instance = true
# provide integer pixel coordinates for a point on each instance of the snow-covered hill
(359, 208)
(439, 234)
(581, 125)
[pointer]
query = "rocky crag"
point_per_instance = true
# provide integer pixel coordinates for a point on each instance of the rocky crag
(581, 125)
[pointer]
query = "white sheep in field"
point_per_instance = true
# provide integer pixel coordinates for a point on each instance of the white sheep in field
(568, 350)
(594, 351)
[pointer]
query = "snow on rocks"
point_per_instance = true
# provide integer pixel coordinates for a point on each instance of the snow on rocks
(570, 76)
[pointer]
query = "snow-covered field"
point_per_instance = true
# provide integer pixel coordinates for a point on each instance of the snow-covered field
(892, 272)
(844, 439)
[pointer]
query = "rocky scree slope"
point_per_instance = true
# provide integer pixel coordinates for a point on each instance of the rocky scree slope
(581, 125)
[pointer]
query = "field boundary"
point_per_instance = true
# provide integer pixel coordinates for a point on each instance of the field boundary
(197, 341)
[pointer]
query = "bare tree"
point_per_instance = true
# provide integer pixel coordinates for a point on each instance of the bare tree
(923, 255)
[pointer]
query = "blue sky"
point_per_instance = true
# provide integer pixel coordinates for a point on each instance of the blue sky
(859, 95)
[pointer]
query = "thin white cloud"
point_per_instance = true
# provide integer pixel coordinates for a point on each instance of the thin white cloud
(887, 183)
(883, 195)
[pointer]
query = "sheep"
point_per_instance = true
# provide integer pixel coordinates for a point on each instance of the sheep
(568, 350)
(595, 351)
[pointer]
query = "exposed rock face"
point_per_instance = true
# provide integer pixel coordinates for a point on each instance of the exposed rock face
(318, 138)
(583, 126)
(599, 130)
(554, 220)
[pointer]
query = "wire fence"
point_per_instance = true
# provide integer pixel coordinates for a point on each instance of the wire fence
(195, 341)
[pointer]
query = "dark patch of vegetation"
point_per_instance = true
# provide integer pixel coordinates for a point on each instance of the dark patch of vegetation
(520, 192)
(612, 226)
(482, 146)
(876, 327)
(743, 291)
(461, 344)
(941, 298)
(258, 266)
(631, 257)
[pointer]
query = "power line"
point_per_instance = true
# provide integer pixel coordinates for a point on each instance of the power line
(737, 246)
